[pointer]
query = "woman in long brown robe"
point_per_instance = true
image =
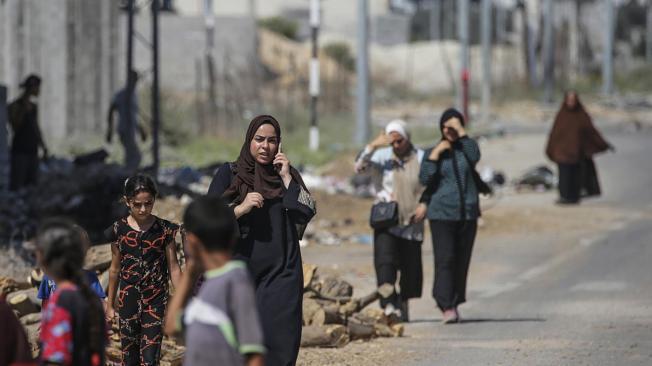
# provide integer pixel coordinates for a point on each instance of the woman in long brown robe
(572, 143)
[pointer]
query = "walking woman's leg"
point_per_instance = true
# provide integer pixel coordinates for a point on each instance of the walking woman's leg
(385, 262)
(443, 245)
(576, 182)
(563, 183)
(569, 182)
(466, 238)
(129, 324)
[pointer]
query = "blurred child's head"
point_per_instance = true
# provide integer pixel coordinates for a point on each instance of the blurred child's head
(83, 235)
(139, 194)
(210, 226)
(60, 249)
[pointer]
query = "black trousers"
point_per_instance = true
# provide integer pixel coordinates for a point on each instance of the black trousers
(141, 326)
(452, 243)
(570, 182)
(394, 255)
(24, 170)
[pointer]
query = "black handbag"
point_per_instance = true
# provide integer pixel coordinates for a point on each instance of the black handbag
(383, 215)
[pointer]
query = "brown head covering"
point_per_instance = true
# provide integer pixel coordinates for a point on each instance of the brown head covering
(573, 136)
(251, 176)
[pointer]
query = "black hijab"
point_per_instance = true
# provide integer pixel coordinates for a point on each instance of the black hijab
(251, 176)
(448, 114)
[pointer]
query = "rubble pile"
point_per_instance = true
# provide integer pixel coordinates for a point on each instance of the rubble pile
(539, 178)
(88, 194)
(332, 317)
(88, 191)
(21, 296)
(333, 233)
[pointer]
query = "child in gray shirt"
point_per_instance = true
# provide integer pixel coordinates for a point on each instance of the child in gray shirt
(221, 324)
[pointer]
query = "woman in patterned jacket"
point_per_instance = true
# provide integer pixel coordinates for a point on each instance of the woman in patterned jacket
(453, 210)
(143, 261)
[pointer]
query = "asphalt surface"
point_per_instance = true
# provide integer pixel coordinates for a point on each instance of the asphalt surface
(560, 300)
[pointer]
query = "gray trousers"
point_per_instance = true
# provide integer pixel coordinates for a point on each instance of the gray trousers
(132, 153)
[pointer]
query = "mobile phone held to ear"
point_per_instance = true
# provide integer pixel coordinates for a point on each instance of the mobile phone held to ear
(279, 166)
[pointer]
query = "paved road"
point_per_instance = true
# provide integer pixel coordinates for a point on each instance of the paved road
(587, 304)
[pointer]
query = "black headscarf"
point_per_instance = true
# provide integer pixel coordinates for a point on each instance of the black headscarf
(251, 176)
(448, 114)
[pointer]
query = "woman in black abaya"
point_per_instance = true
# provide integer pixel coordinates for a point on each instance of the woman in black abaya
(272, 205)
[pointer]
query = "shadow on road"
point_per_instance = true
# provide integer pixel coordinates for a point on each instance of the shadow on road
(482, 320)
(506, 320)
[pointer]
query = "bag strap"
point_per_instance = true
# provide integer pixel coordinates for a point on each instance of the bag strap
(433, 184)
(476, 176)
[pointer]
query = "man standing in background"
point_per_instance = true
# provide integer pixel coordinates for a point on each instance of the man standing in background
(23, 118)
(127, 122)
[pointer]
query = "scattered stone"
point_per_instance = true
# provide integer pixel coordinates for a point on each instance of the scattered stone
(31, 319)
(98, 257)
(7, 285)
(21, 302)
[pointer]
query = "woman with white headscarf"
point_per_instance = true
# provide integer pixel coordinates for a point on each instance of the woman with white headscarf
(395, 163)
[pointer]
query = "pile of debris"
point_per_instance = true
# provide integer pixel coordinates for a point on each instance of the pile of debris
(86, 193)
(87, 190)
(332, 317)
(22, 297)
(540, 178)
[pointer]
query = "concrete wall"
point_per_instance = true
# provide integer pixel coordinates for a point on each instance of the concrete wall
(339, 17)
(183, 42)
(71, 44)
(433, 66)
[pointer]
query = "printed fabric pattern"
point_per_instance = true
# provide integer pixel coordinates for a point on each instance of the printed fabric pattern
(143, 293)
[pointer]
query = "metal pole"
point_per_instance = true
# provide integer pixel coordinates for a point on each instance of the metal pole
(209, 24)
(314, 74)
(4, 149)
(548, 52)
(486, 59)
(501, 21)
(156, 98)
(574, 42)
(463, 37)
(435, 20)
(130, 61)
(362, 69)
(648, 36)
(607, 56)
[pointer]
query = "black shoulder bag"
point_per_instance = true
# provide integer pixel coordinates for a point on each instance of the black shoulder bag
(383, 215)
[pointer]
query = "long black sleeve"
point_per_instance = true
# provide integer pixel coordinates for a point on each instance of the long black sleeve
(221, 180)
(299, 203)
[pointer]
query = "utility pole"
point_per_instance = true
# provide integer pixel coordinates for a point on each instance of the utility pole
(362, 70)
(648, 33)
(314, 74)
(463, 37)
(501, 21)
(574, 41)
(209, 27)
(435, 20)
(548, 51)
(4, 148)
(156, 97)
(486, 60)
(130, 61)
(607, 55)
